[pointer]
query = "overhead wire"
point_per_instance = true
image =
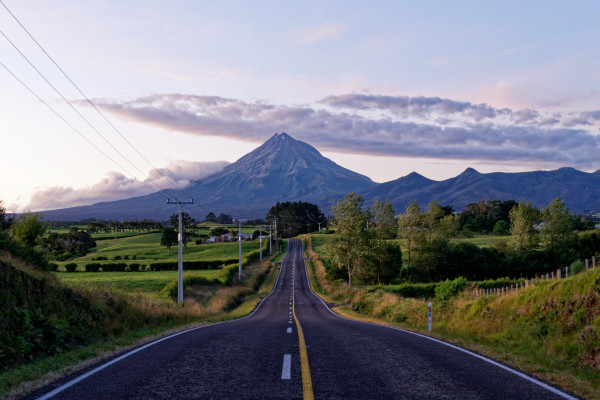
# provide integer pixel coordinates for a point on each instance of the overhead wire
(92, 104)
(73, 127)
(75, 110)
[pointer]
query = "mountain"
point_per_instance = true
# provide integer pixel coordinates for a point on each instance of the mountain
(580, 190)
(285, 169)
(282, 169)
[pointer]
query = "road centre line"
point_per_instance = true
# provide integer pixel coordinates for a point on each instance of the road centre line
(307, 389)
(286, 369)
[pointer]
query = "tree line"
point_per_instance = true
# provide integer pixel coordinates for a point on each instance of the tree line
(541, 240)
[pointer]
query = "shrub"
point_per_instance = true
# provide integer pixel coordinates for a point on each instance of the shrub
(117, 258)
(92, 267)
(71, 267)
(576, 267)
(53, 266)
(448, 288)
(114, 267)
(413, 290)
(134, 267)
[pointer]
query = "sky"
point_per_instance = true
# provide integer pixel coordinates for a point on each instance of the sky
(166, 93)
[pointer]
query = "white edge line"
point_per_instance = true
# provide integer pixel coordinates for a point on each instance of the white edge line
(132, 352)
(479, 356)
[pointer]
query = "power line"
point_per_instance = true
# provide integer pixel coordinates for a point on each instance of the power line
(75, 129)
(92, 104)
(76, 111)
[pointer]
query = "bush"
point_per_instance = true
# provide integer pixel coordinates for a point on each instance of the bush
(576, 267)
(134, 267)
(71, 267)
(414, 290)
(53, 266)
(190, 265)
(92, 267)
(114, 267)
(448, 288)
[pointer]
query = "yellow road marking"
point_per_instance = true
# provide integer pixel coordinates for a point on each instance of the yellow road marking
(307, 389)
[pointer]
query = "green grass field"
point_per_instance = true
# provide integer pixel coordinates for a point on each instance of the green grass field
(147, 249)
(148, 282)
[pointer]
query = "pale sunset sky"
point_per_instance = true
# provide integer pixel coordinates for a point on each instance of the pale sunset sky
(383, 88)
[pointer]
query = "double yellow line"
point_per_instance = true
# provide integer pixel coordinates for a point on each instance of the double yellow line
(307, 389)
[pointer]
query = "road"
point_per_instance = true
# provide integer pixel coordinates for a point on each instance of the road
(292, 347)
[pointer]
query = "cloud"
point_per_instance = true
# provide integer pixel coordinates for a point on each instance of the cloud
(115, 186)
(379, 125)
(326, 31)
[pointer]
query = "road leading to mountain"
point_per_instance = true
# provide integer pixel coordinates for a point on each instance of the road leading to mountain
(260, 357)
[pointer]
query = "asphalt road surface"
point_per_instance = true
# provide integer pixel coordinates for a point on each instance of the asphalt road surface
(292, 347)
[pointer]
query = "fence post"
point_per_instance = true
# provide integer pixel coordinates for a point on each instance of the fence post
(586, 264)
(593, 261)
(558, 271)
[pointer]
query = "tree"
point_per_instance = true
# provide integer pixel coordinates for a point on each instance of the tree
(187, 223)
(29, 228)
(218, 231)
(523, 235)
(5, 223)
(168, 238)
(295, 218)
(224, 219)
(350, 238)
(411, 229)
(501, 228)
(384, 228)
(556, 231)
(210, 217)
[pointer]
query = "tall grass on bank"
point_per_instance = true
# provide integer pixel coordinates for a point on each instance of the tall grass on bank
(550, 330)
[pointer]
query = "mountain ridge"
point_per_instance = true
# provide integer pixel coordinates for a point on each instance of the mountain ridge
(286, 169)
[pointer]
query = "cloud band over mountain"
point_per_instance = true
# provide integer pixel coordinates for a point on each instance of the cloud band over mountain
(117, 186)
(397, 126)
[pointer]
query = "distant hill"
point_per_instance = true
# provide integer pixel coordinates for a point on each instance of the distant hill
(579, 190)
(285, 169)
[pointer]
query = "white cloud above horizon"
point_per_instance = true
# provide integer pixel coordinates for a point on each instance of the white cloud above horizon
(115, 186)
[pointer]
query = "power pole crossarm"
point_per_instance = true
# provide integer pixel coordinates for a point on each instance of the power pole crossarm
(180, 254)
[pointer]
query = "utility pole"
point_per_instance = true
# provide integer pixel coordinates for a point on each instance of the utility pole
(240, 247)
(260, 241)
(180, 255)
(270, 243)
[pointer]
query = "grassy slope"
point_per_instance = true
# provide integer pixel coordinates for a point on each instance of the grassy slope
(148, 282)
(147, 249)
(549, 330)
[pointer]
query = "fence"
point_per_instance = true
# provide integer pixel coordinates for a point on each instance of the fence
(559, 274)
